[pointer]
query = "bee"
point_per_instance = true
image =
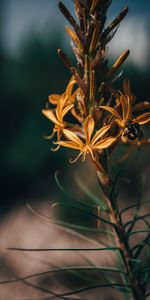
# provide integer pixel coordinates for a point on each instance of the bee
(133, 131)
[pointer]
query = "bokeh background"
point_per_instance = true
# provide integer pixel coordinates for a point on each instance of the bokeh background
(30, 33)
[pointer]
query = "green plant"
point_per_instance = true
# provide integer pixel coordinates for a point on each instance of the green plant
(95, 118)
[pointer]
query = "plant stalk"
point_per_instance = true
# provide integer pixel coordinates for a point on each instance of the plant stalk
(124, 247)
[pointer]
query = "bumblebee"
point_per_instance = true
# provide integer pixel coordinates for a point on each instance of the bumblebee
(133, 131)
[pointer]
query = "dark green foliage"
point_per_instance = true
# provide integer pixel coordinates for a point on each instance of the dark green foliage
(100, 276)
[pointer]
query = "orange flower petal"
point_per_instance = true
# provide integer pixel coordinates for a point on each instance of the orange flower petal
(88, 127)
(128, 112)
(70, 86)
(54, 98)
(99, 134)
(73, 137)
(112, 111)
(126, 107)
(59, 109)
(66, 109)
(50, 115)
(127, 89)
(68, 144)
(75, 115)
(104, 143)
(143, 119)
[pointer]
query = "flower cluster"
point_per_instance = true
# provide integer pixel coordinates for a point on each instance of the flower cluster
(102, 115)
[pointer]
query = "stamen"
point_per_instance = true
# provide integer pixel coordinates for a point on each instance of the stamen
(55, 149)
(92, 155)
(48, 137)
(72, 161)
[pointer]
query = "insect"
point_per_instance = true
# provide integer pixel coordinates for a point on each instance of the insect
(133, 131)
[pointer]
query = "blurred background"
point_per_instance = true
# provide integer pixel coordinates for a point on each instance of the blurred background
(30, 33)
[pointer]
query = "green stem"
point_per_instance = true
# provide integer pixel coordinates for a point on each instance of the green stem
(122, 244)
(121, 240)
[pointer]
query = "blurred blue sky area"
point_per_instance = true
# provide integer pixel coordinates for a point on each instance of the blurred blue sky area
(22, 18)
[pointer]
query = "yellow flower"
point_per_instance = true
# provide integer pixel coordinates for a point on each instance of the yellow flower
(66, 96)
(79, 109)
(98, 142)
(56, 116)
(71, 97)
(64, 103)
(129, 126)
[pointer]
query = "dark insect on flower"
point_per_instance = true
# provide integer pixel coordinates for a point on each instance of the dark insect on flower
(133, 131)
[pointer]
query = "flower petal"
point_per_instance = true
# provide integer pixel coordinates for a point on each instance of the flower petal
(112, 111)
(143, 119)
(126, 107)
(88, 127)
(104, 143)
(73, 137)
(66, 109)
(75, 115)
(70, 86)
(50, 115)
(127, 89)
(68, 144)
(99, 134)
(54, 98)
(59, 109)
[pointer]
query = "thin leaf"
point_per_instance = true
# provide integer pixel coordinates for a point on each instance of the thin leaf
(132, 206)
(90, 194)
(65, 249)
(80, 268)
(115, 285)
(137, 231)
(64, 226)
(72, 198)
(140, 247)
(135, 219)
(87, 212)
